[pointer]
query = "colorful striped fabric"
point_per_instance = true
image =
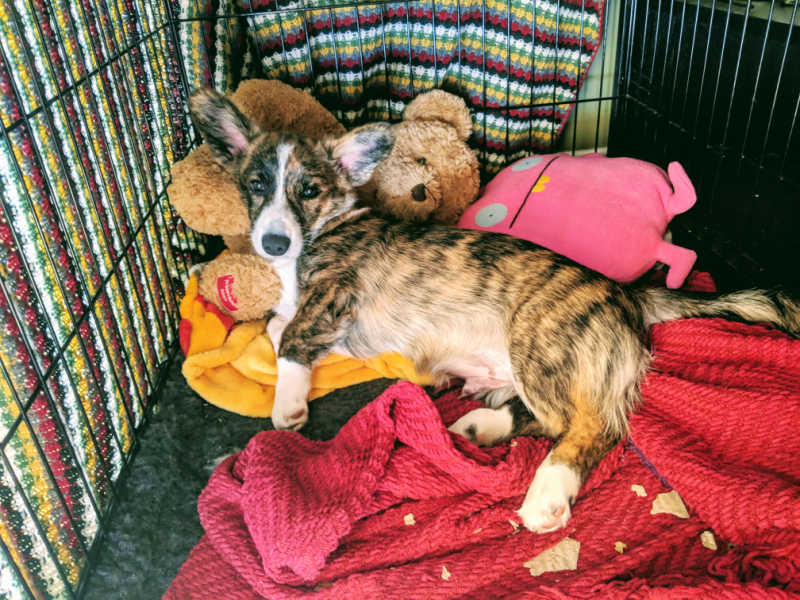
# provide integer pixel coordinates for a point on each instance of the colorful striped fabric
(518, 63)
(91, 263)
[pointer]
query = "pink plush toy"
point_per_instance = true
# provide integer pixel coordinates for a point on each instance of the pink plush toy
(609, 214)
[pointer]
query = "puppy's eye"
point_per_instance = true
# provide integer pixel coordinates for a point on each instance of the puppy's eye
(310, 190)
(256, 186)
(421, 161)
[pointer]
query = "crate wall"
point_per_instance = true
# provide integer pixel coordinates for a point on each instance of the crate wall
(91, 264)
(93, 110)
(716, 86)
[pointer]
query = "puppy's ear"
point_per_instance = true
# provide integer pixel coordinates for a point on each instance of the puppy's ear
(226, 130)
(358, 152)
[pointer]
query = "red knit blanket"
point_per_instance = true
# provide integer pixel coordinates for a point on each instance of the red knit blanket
(396, 507)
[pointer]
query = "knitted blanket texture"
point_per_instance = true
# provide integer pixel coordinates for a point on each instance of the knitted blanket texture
(396, 507)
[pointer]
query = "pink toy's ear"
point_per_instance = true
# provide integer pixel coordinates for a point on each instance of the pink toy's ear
(683, 196)
(680, 262)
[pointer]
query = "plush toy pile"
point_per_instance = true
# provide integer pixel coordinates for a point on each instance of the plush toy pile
(703, 500)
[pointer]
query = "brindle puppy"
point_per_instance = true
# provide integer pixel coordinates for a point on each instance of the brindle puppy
(507, 316)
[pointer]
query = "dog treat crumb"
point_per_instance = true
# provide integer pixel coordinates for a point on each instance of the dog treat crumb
(478, 530)
(445, 573)
(639, 490)
(409, 519)
(669, 502)
(708, 540)
(620, 546)
(513, 443)
(514, 524)
(561, 557)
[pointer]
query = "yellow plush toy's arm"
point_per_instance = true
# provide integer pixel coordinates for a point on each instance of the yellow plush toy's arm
(233, 366)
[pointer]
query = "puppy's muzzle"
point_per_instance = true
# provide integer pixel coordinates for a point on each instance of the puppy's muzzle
(275, 244)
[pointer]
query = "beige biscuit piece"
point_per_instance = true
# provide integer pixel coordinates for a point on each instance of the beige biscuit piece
(620, 547)
(639, 490)
(409, 519)
(445, 573)
(561, 557)
(669, 502)
(708, 540)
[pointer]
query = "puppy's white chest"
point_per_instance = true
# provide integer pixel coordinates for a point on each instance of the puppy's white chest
(287, 271)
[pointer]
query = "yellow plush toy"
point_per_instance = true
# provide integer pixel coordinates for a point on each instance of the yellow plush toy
(233, 366)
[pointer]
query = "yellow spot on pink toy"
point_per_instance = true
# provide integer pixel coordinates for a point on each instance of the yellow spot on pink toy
(540, 184)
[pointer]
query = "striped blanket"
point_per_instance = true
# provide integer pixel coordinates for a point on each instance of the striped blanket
(519, 64)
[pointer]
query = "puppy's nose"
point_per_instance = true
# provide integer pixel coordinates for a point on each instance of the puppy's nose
(418, 193)
(275, 244)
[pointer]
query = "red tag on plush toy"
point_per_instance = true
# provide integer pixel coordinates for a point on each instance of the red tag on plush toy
(225, 292)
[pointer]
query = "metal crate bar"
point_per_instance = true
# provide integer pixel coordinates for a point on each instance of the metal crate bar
(93, 262)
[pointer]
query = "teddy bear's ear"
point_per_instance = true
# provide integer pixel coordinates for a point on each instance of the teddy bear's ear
(438, 105)
(358, 152)
(227, 131)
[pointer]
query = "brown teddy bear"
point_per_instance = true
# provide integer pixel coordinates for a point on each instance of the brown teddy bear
(431, 174)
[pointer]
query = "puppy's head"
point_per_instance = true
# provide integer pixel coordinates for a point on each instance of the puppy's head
(292, 185)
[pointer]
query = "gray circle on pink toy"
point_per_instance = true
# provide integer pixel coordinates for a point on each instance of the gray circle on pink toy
(491, 214)
(526, 163)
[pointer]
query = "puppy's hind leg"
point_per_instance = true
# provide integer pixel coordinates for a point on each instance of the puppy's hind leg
(490, 426)
(555, 486)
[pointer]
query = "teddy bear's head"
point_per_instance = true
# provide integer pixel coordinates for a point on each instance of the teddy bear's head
(431, 174)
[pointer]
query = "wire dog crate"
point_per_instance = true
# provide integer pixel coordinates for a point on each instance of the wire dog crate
(94, 114)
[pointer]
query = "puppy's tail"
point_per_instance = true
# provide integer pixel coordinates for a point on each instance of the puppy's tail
(772, 306)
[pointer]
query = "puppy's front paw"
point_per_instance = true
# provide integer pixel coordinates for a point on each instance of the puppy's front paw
(292, 418)
(547, 504)
(485, 426)
(291, 395)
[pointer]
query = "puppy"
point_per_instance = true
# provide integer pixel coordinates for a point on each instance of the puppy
(510, 318)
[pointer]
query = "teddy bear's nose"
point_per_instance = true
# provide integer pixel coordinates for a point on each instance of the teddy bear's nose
(418, 192)
(275, 244)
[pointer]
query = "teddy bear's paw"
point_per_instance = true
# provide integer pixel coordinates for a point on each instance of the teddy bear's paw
(547, 504)
(485, 426)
